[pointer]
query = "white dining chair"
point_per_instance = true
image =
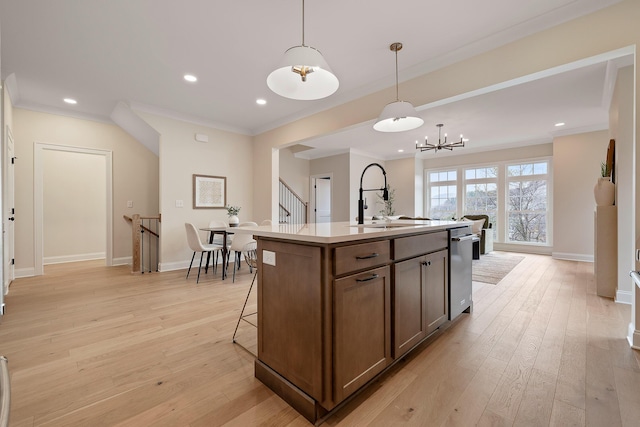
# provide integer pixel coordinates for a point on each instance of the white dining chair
(237, 246)
(218, 239)
(266, 222)
(196, 245)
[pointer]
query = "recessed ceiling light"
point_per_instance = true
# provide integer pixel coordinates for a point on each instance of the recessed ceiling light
(401, 151)
(70, 101)
(190, 78)
(559, 124)
(261, 101)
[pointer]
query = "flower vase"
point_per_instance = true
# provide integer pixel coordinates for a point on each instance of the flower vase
(604, 192)
(234, 220)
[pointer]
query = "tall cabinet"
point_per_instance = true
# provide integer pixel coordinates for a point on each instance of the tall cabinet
(606, 250)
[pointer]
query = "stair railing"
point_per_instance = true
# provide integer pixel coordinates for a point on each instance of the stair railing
(293, 209)
(145, 243)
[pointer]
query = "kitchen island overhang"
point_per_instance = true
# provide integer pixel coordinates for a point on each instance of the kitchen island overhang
(340, 303)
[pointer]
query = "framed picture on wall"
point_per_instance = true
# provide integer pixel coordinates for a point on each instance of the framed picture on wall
(209, 192)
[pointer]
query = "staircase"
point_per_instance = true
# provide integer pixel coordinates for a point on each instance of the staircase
(293, 210)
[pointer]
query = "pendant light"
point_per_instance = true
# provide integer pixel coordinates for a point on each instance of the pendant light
(303, 73)
(397, 116)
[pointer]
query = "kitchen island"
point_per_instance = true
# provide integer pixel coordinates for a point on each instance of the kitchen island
(339, 303)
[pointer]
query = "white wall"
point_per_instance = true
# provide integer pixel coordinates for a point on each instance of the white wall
(576, 168)
(74, 206)
(621, 123)
(135, 175)
(226, 154)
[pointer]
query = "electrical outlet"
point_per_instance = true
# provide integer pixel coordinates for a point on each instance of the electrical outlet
(129, 203)
(269, 257)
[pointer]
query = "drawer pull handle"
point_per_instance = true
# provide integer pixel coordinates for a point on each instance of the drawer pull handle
(373, 255)
(373, 276)
(426, 263)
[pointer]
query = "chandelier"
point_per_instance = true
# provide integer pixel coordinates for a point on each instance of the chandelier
(441, 144)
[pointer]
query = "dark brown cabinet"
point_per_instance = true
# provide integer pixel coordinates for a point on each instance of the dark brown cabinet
(362, 335)
(331, 317)
(436, 285)
(420, 299)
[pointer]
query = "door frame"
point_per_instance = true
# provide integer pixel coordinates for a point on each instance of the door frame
(38, 183)
(312, 193)
(8, 235)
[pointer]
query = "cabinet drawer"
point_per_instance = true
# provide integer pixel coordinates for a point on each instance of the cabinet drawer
(405, 247)
(358, 257)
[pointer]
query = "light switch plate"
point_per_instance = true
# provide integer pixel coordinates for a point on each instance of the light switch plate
(269, 257)
(179, 204)
(129, 203)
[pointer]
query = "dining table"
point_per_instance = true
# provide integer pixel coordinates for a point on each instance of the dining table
(225, 232)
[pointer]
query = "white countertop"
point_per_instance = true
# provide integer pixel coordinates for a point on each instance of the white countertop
(336, 232)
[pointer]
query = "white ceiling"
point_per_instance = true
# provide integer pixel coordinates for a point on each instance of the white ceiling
(103, 52)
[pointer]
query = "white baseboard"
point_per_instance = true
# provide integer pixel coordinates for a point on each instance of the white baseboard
(127, 260)
(572, 257)
(633, 337)
(624, 297)
(182, 265)
(24, 272)
(522, 248)
(73, 258)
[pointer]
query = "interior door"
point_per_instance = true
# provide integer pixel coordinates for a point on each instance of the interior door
(9, 213)
(322, 199)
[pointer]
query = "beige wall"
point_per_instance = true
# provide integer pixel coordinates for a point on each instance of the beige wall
(74, 206)
(401, 175)
(338, 167)
(226, 154)
(135, 175)
(622, 125)
(575, 40)
(576, 168)
(372, 179)
(295, 172)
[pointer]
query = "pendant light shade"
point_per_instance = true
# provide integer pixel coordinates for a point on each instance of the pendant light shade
(397, 116)
(303, 73)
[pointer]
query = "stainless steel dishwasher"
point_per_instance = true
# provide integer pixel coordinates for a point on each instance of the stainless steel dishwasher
(460, 255)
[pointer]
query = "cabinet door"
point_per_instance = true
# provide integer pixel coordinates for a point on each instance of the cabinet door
(409, 298)
(362, 329)
(436, 286)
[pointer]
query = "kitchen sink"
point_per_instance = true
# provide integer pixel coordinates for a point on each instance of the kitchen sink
(382, 225)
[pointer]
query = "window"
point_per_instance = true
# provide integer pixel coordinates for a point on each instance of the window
(481, 192)
(528, 201)
(443, 200)
(515, 194)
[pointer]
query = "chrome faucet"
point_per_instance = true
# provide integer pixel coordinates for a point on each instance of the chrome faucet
(385, 191)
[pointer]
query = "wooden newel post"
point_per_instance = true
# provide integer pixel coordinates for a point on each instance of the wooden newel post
(135, 243)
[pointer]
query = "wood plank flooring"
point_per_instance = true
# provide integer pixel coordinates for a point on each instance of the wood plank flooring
(90, 345)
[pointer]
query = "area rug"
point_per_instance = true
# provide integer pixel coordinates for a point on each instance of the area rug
(491, 268)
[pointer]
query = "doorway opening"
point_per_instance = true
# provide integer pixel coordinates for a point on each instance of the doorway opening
(321, 198)
(51, 210)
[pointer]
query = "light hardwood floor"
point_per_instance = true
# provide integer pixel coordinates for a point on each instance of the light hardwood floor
(95, 346)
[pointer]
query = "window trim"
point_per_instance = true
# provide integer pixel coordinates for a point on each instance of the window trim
(502, 230)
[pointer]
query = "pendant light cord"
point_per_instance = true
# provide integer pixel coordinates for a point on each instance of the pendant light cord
(397, 96)
(302, 22)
